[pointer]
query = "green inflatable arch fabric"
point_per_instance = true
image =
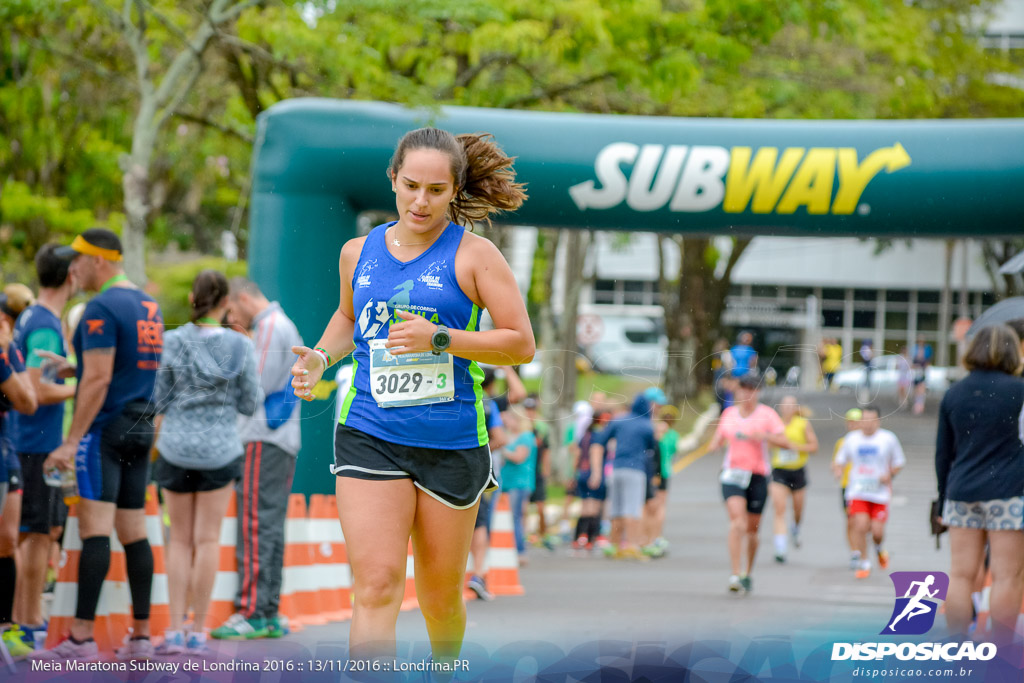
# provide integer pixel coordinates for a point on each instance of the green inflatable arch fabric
(319, 163)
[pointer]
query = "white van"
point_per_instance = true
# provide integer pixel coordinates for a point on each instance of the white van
(629, 345)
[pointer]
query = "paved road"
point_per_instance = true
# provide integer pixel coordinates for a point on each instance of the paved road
(682, 597)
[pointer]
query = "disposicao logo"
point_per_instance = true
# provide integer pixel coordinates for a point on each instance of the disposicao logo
(917, 600)
(917, 596)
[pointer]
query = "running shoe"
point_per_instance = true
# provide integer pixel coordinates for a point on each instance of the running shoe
(631, 554)
(69, 649)
(237, 627)
(14, 642)
(580, 543)
(479, 586)
(609, 550)
(883, 559)
(174, 644)
(196, 644)
(864, 571)
(277, 626)
(854, 560)
(135, 648)
(28, 632)
(781, 559)
(734, 584)
(746, 583)
(603, 542)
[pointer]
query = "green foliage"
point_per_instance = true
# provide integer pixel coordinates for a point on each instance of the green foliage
(68, 96)
(170, 284)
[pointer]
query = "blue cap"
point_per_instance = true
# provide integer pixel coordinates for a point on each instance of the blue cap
(655, 395)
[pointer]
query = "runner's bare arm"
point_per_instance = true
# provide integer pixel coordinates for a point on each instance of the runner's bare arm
(493, 287)
(18, 391)
(811, 438)
(337, 337)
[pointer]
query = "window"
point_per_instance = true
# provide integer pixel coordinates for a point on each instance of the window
(896, 320)
(833, 294)
(642, 336)
(928, 322)
(864, 319)
(833, 317)
(865, 295)
(604, 292)
(928, 297)
(897, 295)
(799, 292)
(634, 291)
(765, 291)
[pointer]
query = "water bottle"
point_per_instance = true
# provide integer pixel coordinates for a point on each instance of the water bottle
(52, 477)
(69, 487)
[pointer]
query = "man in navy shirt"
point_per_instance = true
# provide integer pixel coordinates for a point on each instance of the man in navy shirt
(37, 333)
(118, 344)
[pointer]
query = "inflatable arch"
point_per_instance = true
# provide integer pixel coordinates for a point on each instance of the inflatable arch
(319, 163)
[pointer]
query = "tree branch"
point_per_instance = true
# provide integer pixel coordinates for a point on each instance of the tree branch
(209, 123)
(541, 95)
(180, 96)
(218, 16)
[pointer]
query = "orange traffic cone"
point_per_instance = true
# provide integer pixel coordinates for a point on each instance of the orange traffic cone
(299, 590)
(333, 575)
(114, 611)
(502, 557)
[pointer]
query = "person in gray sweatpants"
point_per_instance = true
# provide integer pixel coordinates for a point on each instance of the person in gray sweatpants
(272, 439)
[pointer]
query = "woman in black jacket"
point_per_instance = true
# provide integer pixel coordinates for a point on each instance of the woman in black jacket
(979, 463)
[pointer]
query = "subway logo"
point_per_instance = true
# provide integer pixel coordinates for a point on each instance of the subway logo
(822, 180)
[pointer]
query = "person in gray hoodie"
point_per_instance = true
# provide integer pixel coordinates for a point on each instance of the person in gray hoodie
(207, 378)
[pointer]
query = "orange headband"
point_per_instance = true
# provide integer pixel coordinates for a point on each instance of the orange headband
(80, 245)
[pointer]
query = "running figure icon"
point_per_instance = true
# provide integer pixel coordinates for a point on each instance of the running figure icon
(915, 606)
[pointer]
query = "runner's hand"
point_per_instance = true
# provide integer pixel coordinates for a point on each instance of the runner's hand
(62, 458)
(594, 481)
(65, 369)
(412, 335)
(306, 372)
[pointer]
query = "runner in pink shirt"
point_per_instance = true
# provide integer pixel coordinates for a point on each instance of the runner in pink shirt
(748, 427)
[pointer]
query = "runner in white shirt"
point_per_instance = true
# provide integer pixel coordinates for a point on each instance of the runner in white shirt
(877, 457)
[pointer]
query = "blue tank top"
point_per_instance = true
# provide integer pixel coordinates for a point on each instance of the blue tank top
(426, 286)
(42, 432)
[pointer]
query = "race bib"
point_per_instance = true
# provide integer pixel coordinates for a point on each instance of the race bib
(869, 485)
(787, 456)
(735, 477)
(410, 379)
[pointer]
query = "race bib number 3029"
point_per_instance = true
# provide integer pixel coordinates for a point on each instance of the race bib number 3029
(410, 379)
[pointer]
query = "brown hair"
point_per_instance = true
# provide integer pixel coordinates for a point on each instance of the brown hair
(484, 178)
(208, 289)
(995, 347)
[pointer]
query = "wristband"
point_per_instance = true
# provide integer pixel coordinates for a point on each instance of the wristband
(324, 351)
(324, 357)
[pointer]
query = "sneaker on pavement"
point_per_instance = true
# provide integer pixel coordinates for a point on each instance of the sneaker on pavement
(195, 645)
(277, 626)
(237, 627)
(781, 559)
(734, 584)
(855, 561)
(69, 649)
(14, 641)
(883, 559)
(136, 648)
(864, 571)
(479, 586)
(747, 584)
(28, 632)
(174, 644)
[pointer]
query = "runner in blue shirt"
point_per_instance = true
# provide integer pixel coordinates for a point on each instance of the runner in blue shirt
(38, 335)
(15, 394)
(411, 455)
(118, 345)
